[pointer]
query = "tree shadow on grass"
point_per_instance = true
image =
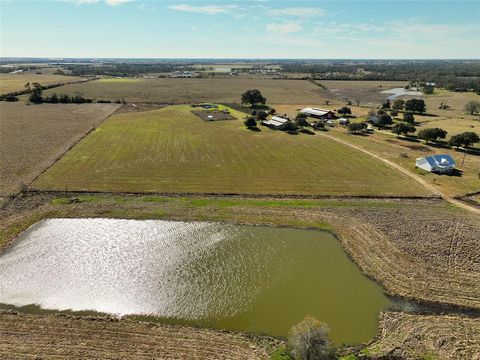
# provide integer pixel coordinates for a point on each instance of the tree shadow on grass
(455, 173)
(307, 131)
(254, 128)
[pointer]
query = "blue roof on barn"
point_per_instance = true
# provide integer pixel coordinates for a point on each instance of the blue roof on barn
(440, 160)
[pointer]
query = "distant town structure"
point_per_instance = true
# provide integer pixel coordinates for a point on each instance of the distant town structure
(436, 163)
(320, 114)
(276, 122)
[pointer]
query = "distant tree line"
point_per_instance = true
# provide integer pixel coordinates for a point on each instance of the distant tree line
(124, 69)
(8, 69)
(455, 75)
(12, 96)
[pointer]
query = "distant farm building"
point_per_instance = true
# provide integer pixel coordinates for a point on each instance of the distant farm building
(373, 119)
(317, 113)
(436, 163)
(276, 122)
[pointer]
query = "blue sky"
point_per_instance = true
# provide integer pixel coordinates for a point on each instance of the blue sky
(240, 29)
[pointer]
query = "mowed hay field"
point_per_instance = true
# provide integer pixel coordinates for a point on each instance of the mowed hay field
(180, 91)
(170, 150)
(16, 82)
(33, 136)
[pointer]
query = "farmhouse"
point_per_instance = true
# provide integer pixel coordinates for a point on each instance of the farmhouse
(317, 113)
(276, 122)
(436, 163)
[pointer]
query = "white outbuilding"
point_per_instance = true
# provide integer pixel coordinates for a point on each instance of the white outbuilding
(436, 163)
(320, 114)
(276, 122)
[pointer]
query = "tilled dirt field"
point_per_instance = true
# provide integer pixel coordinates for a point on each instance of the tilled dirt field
(34, 136)
(408, 336)
(66, 337)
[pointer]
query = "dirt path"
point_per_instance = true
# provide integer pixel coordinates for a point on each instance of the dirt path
(417, 178)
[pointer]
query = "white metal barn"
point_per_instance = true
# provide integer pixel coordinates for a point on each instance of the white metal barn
(436, 163)
(276, 122)
(317, 113)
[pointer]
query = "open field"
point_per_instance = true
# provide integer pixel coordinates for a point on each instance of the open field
(68, 337)
(426, 337)
(170, 150)
(404, 153)
(180, 91)
(16, 82)
(34, 136)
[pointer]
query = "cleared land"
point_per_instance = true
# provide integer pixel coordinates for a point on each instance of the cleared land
(181, 91)
(67, 337)
(171, 151)
(16, 82)
(426, 337)
(34, 136)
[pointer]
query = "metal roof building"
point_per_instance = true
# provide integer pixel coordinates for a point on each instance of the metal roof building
(276, 122)
(436, 163)
(318, 113)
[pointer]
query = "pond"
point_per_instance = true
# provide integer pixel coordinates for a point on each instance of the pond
(258, 279)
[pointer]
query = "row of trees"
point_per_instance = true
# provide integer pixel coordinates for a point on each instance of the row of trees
(35, 90)
(413, 105)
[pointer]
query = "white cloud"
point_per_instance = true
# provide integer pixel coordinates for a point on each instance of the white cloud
(116, 2)
(297, 11)
(206, 9)
(285, 28)
(81, 2)
(108, 2)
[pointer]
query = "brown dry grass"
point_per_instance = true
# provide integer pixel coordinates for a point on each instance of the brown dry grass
(66, 337)
(427, 337)
(180, 91)
(34, 136)
(16, 82)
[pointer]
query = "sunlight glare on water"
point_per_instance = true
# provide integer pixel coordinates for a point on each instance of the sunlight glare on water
(252, 278)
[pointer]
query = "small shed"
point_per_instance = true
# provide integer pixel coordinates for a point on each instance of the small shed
(275, 122)
(436, 163)
(317, 113)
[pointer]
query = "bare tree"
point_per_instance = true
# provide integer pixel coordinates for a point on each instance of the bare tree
(309, 340)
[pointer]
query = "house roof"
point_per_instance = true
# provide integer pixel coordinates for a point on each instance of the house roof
(315, 111)
(442, 161)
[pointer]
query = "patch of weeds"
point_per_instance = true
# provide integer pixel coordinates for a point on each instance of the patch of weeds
(348, 357)
(280, 354)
